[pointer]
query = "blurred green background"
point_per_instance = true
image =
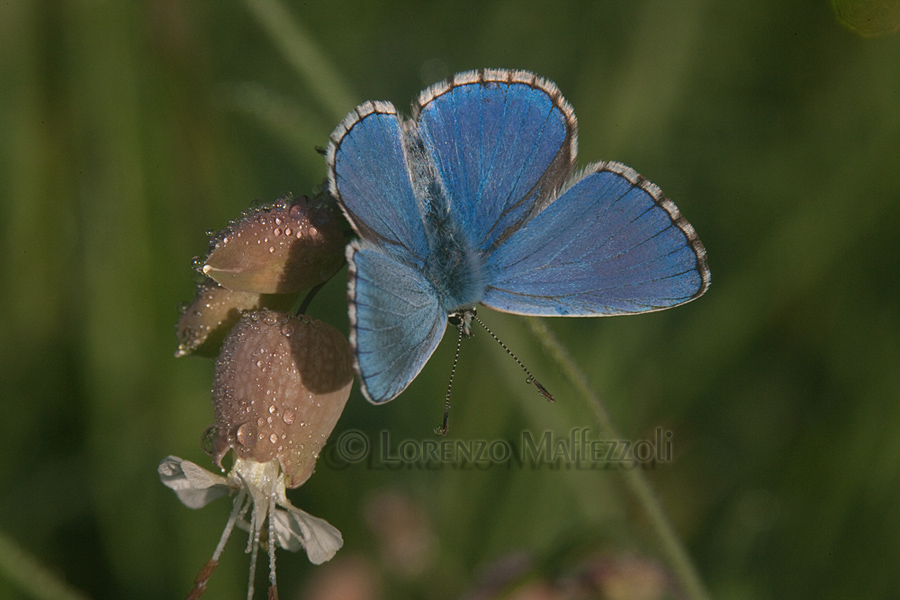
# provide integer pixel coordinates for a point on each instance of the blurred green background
(128, 129)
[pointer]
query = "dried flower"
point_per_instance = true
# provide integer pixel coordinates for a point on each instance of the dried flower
(262, 487)
(281, 384)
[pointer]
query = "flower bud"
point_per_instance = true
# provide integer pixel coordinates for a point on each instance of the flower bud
(282, 249)
(205, 322)
(281, 383)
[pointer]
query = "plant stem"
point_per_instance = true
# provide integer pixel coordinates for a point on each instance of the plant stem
(638, 484)
(24, 570)
(304, 55)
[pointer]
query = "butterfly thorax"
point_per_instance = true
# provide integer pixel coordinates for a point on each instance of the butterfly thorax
(452, 265)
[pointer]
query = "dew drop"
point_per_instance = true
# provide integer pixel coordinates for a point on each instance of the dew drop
(246, 435)
(277, 231)
(272, 409)
(209, 438)
(313, 231)
(288, 231)
(287, 330)
(288, 416)
(273, 438)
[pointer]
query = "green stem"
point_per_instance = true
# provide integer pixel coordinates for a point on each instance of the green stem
(24, 570)
(672, 547)
(304, 55)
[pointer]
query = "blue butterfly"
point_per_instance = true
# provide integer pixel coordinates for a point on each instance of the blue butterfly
(474, 200)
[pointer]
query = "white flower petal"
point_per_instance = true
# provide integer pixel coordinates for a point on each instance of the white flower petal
(199, 477)
(287, 538)
(195, 486)
(295, 528)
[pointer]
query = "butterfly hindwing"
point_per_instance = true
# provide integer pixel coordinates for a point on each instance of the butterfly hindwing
(503, 142)
(610, 244)
(396, 321)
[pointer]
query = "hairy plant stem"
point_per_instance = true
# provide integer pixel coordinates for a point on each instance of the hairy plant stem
(671, 545)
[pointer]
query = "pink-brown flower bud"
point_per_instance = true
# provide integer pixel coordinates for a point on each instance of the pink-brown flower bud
(281, 384)
(205, 322)
(282, 249)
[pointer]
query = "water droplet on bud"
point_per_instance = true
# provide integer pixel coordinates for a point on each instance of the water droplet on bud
(246, 435)
(208, 439)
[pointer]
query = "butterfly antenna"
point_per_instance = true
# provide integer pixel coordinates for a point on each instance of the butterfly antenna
(531, 378)
(206, 572)
(442, 430)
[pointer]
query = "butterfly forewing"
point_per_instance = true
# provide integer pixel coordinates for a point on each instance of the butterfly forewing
(503, 142)
(369, 176)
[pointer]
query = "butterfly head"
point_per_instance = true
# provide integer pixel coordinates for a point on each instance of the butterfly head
(462, 320)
